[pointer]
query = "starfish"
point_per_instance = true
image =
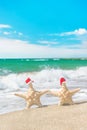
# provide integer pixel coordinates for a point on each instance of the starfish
(32, 97)
(65, 95)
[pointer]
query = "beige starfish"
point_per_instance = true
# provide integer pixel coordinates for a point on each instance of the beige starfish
(32, 97)
(65, 94)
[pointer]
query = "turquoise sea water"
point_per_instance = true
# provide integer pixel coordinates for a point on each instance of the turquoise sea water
(31, 65)
(46, 74)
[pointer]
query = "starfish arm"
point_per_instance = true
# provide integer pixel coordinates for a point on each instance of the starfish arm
(70, 102)
(60, 103)
(28, 105)
(64, 86)
(66, 101)
(20, 95)
(31, 87)
(72, 92)
(38, 103)
(44, 92)
(54, 93)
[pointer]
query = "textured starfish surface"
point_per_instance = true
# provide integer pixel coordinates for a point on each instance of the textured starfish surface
(65, 95)
(32, 97)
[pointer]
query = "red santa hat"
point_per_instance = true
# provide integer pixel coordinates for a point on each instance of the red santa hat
(62, 80)
(28, 80)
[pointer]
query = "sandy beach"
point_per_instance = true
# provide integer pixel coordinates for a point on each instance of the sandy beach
(73, 117)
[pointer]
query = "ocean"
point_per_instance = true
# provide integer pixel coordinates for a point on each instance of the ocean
(46, 74)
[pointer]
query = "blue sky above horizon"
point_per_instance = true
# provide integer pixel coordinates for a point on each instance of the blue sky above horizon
(43, 29)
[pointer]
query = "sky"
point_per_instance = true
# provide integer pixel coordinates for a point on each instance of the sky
(43, 29)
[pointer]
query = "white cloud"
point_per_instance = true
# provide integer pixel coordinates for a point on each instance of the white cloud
(13, 48)
(6, 33)
(80, 31)
(84, 44)
(20, 34)
(47, 42)
(5, 26)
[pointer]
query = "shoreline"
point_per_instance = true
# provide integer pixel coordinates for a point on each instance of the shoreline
(53, 117)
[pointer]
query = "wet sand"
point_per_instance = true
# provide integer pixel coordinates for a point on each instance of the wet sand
(71, 117)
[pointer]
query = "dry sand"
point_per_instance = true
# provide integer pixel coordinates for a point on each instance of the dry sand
(53, 117)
